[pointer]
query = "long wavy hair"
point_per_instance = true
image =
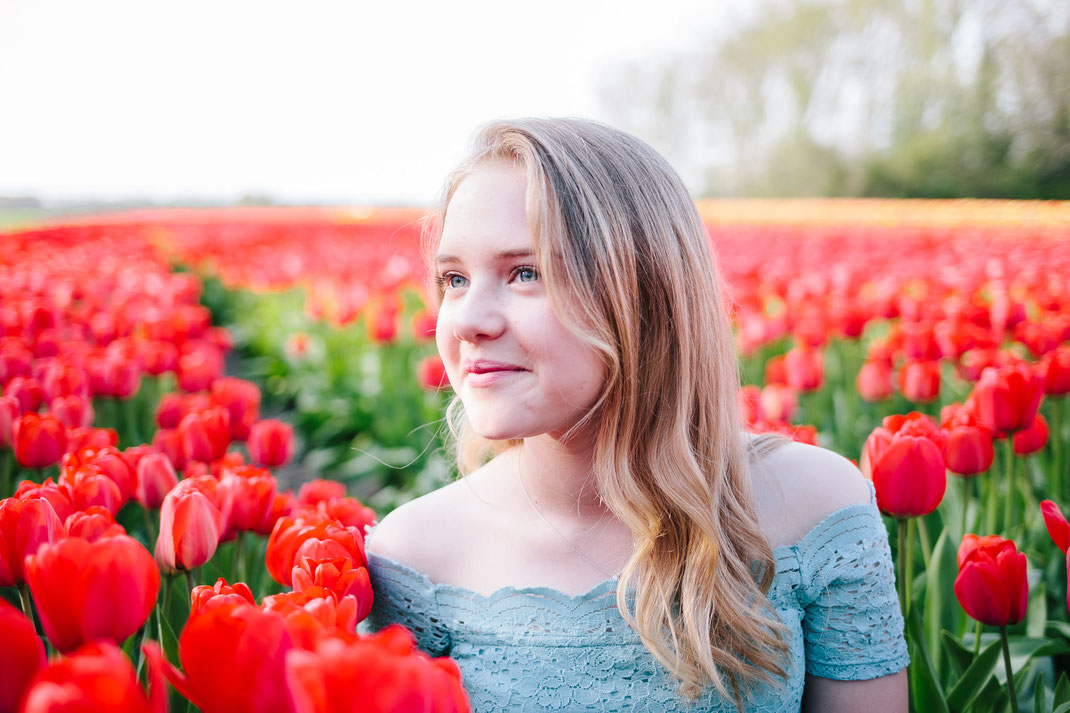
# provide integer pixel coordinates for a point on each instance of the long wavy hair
(628, 267)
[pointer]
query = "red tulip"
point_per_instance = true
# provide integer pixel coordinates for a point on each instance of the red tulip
(189, 530)
(93, 524)
(971, 542)
(242, 400)
(969, 449)
(271, 442)
(293, 538)
(874, 381)
(198, 368)
(251, 493)
(204, 598)
(97, 677)
(9, 413)
(315, 614)
(73, 411)
(1055, 368)
(169, 442)
(110, 461)
(234, 661)
(748, 402)
(991, 585)
(57, 495)
(347, 511)
(79, 438)
(1006, 398)
(87, 591)
(157, 357)
(919, 381)
(1055, 521)
(89, 485)
(337, 574)
(155, 478)
(383, 324)
(424, 325)
(205, 434)
(62, 379)
(319, 490)
(25, 526)
(432, 374)
(170, 410)
(15, 360)
(778, 402)
(21, 656)
(804, 368)
(1031, 439)
(391, 673)
(281, 506)
(40, 441)
(776, 371)
(27, 391)
(908, 473)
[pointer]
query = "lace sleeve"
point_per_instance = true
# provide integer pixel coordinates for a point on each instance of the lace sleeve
(404, 596)
(852, 626)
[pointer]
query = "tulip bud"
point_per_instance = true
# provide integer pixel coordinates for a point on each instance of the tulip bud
(73, 411)
(155, 479)
(27, 391)
(40, 441)
(992, 586)
(969, 450)
(204, 598)
(1007, 398)
(1031, 439)
(25, 526)
(432, 374)
(271, 442)
(1058, 527)
(205, 434)
(804, 368)
(919, 381)
(189, 531)
(9, 413)
(96, 677)
(874, 381)
(908, 473)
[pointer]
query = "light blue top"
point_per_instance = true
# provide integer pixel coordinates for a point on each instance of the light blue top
(538, 649)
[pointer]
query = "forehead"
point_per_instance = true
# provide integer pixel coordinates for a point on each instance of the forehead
(487, 210)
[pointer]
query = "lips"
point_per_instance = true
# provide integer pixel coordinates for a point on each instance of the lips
(484, 366)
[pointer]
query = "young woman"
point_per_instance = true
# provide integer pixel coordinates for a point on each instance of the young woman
(616, 542)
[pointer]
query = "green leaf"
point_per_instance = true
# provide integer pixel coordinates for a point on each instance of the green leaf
(927, 693)
(940, 602)
(169, 641)
(960, 655)
(1062, 708)
(1062, 690)
(1042, 701)
(1057, 628)
(975, 678)
(1038, 611)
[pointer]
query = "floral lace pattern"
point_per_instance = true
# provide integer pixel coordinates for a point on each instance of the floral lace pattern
(538, 649)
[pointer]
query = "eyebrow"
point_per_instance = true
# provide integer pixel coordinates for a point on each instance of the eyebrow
(503, 255)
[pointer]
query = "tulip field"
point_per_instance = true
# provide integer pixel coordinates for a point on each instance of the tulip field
(165, 374)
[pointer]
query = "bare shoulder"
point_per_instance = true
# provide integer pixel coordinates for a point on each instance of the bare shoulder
(416, 533)
(427, 533)
(797, 485)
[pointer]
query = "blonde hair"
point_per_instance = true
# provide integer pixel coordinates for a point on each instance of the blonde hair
(618, 237)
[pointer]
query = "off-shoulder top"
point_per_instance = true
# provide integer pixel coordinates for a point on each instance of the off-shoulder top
(539, 649)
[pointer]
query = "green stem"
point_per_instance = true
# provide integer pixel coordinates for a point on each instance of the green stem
(239, 555)
(24, 599)
(1056, 437)
(150, 528)
(1010, 673)
(1008, 475)
(910, 560)
(901, 552)
(977, 640)
(5, 473)
(991, 487)
(926, 545)
(189, 586)
(965, 505)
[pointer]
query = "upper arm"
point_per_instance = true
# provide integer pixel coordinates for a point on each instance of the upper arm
(887, 694)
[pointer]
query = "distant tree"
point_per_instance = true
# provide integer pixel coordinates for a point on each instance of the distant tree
(865, 97)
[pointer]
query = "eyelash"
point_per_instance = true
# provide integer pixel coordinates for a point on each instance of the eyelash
(442, 281)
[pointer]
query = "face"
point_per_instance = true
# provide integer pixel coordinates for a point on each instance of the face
(517, 369)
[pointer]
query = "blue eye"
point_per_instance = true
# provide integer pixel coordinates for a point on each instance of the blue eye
(449, 281)
(452, 280)
(526, 274)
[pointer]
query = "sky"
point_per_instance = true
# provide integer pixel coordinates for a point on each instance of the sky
(320, 101)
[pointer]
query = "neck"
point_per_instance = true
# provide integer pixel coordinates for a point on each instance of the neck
(559, 477)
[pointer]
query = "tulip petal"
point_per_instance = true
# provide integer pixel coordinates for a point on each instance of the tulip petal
(981, 593)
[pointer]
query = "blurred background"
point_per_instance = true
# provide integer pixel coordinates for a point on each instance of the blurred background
(119, 103)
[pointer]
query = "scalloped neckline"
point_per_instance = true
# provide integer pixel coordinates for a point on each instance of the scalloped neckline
(597, 590)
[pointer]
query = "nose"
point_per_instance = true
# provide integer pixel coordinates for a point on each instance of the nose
(477, 315)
